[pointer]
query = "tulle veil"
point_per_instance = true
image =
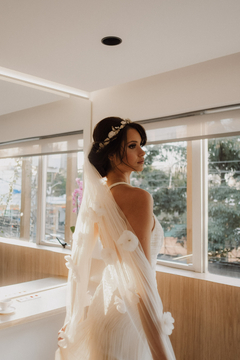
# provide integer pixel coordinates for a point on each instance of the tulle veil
(128, 285)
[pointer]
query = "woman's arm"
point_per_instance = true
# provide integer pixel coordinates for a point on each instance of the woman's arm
(151, 332)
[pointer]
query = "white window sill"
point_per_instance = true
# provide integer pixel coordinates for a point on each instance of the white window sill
(225, 280)
(32, 245)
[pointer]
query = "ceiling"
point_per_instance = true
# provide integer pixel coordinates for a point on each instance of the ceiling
(16, 96)
(60, 40)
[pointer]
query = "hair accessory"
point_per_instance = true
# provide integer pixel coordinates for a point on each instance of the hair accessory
(115, 130)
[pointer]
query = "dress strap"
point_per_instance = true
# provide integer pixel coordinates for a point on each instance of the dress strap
(118, 183)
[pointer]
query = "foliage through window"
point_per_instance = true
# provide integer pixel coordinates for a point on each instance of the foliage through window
(165, 177)
(224, 206)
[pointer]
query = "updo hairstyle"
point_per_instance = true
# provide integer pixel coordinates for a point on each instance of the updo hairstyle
(99, 156)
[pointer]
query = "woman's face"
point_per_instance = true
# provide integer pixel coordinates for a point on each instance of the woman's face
(133, 159)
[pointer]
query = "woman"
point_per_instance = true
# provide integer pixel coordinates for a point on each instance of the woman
(123, 319)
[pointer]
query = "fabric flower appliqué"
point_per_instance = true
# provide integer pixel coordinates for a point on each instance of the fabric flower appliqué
(128, 241)
(71, 266)
(95, 212)
(111, 134)
(109, 256)
(98, 208)
(167, 323)
(120, 305)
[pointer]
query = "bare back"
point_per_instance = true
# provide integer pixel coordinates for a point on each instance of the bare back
(137, 206)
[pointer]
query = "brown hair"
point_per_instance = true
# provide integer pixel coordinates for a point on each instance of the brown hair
(99, 157)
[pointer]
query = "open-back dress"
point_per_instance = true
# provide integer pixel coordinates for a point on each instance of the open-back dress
(106, 323)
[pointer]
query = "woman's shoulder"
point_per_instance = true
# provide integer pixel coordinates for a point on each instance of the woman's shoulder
(132, 195)
(141, 194)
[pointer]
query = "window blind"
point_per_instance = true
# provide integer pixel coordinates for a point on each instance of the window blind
(42, 145)
(207, 125)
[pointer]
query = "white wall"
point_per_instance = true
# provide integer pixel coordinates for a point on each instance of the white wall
(62, 116)
(205, 85)
(36, 340)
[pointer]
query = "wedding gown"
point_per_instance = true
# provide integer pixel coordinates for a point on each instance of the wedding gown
(108, 326)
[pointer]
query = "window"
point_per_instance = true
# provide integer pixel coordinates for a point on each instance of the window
(10, 197)
(165, 177)
(36, 189)
(61, 172)
(193, 173)
(224, 206)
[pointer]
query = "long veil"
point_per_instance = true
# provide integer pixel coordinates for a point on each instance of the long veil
(128, 281)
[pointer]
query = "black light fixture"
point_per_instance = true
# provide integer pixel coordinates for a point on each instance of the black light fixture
(111, 40)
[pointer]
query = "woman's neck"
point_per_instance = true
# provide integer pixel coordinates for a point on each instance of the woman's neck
(117, 176)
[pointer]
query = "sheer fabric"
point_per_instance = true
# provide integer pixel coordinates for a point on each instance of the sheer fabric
(117, 320)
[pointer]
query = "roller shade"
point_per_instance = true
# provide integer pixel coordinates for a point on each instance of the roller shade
(42, 146)
(202, 126)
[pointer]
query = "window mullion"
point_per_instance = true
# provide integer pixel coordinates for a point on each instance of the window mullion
(42, 175)
(189, 201)
(197, 205)
(205, 204)
(70, 219)
(25, 199)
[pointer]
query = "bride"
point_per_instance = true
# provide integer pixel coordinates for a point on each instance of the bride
(123, 318)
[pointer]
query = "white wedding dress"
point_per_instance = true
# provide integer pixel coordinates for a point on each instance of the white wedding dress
(110, 327)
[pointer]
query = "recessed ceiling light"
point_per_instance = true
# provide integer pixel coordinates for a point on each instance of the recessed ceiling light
(111, 40)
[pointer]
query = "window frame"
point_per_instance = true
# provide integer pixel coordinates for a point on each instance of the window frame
(199, 173)
(73, 148)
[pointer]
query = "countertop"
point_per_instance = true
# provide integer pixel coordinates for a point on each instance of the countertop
(34, 300)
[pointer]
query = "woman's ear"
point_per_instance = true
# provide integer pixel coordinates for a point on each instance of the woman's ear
(113, 160)
(111, 157)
